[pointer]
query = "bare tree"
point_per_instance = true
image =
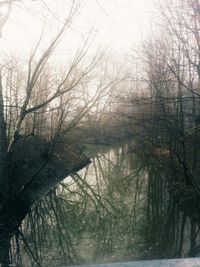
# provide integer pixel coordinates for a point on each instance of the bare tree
(37, 109)
(169, 119)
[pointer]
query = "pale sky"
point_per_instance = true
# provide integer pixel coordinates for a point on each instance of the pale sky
(118, 24)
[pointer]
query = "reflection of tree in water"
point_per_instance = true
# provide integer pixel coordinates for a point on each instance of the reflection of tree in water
(170, 230)
(154, 224)
(118, 208)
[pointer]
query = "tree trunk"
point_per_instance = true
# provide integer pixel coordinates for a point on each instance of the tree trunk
(15, 209)
(3, 148)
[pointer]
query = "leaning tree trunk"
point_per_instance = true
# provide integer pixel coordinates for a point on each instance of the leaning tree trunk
(45, 176)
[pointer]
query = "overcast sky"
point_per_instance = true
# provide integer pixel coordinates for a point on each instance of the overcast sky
(117, 24)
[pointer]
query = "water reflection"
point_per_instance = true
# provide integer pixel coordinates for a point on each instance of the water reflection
(119, 208)
(135, 215)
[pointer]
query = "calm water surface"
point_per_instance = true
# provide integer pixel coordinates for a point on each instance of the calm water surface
(129, 213)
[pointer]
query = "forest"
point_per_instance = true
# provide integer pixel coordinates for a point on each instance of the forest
(99, 157)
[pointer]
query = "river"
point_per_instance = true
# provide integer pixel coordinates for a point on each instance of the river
(129, 213)
(121, 207)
